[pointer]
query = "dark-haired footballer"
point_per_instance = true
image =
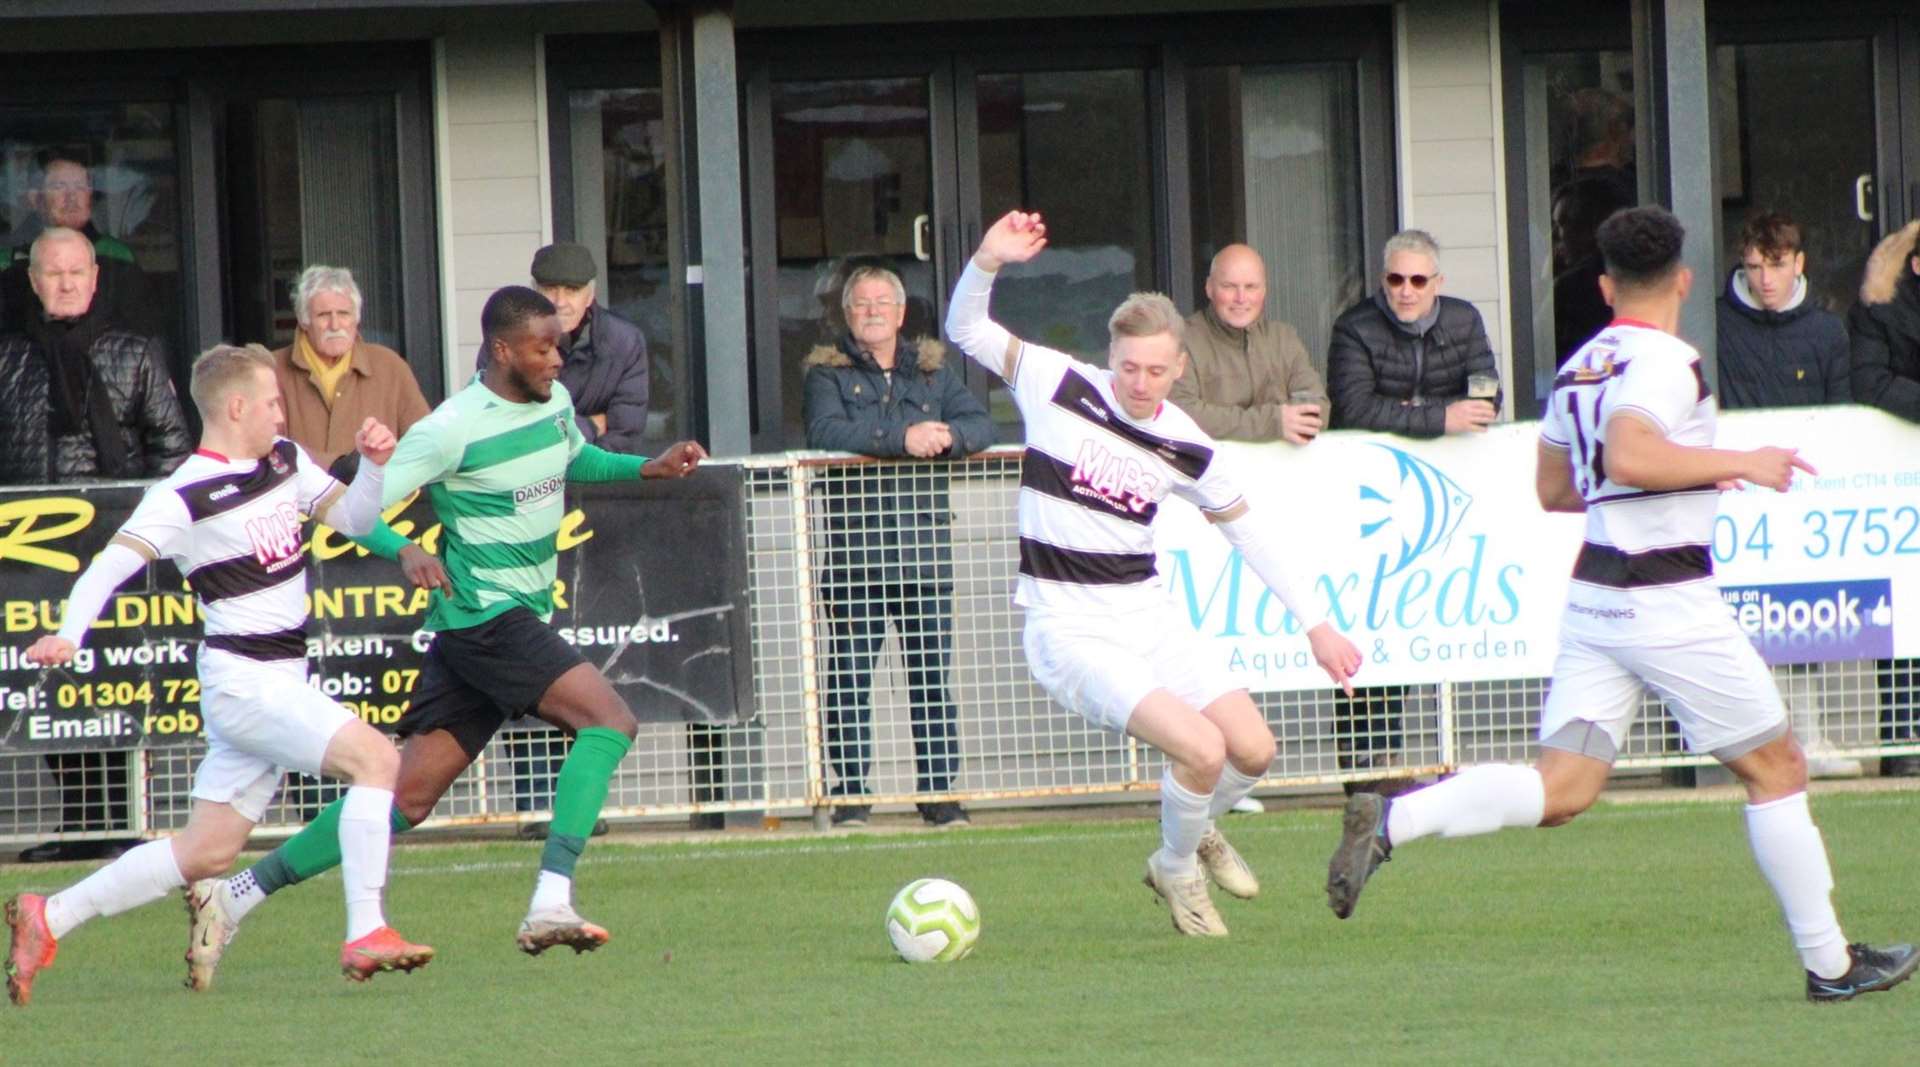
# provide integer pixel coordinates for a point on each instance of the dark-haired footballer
(1628, 439)
(494, 460)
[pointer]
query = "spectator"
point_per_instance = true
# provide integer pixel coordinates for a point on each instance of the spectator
(1248, 378)
(889, 554)
(1399, 362)
(1776, 348)
(83, 399)
(63, 196)
(332, 379)
(1885, 325)
(1400, 359)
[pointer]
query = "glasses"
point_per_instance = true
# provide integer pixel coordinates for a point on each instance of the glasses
(873, 305)
(1418, 281)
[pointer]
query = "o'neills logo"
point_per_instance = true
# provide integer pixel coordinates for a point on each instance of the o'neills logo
(540, 490)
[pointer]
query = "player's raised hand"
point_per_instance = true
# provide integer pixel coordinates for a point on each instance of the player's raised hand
(424, 569)
(678, 461)
(375, 442)
(1335, 654)
(1015, 237)
(1774, 467)
(50, 651)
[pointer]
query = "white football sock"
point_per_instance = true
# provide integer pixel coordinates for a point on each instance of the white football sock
(1183, 822)
(1227, 792)
(1793, 858)
(551, 890)
(243, 894)
(365, 836)
(144, 874)
(1478, 800)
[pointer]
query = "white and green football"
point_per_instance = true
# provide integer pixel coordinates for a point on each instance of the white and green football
(933, 920)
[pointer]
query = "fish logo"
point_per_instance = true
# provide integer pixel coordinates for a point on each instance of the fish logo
(1424, 508)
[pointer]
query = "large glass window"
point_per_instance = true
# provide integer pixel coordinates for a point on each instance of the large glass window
(1772, 152)
(315, 181)
(852, 186)
(1274, 155)
(1580, 167)
(618, 141)
(110, 170)
(1075, 144)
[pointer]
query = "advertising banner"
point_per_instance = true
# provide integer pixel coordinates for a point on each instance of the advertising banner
(671, 631)
(1434, 557)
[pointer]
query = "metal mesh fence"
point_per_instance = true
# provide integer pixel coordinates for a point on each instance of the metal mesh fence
(888, 669)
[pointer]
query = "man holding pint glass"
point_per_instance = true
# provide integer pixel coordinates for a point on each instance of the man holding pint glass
(1248, 378)
(1409, 361)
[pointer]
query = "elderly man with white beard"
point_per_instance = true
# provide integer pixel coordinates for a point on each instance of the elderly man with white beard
(332, 379)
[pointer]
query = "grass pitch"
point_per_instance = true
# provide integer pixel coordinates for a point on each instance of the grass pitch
(1641, 934)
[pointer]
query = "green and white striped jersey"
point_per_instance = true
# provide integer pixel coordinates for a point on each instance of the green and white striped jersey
(496, 473)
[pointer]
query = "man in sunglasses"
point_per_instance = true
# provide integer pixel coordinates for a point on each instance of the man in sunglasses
(1400, 362)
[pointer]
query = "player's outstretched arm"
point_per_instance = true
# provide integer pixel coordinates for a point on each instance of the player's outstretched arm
(1017, 237)
(1331, 649)
(1640, 456)
(119, 561)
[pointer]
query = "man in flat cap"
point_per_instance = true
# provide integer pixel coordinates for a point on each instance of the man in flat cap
(606, 355)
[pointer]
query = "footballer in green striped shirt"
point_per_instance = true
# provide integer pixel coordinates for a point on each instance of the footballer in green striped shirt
(494, 461)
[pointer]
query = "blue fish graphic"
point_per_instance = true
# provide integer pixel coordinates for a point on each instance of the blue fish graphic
(1426, 504)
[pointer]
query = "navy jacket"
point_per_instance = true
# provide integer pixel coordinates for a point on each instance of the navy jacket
(1779, 359)
(1886, 336)
(888, 522)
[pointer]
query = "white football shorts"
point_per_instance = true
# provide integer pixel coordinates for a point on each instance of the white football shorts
(1102, 666)
(1714, 683)
(261, 719)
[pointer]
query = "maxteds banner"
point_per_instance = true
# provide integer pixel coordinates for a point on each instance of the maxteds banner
(1435, 558)
(652, 589)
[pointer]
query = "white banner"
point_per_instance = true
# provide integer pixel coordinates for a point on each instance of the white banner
(1435, 558)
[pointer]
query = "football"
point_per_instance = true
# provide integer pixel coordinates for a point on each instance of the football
(933, 920)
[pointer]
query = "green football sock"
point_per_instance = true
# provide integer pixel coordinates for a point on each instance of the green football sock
(314, 850)
(579, 794)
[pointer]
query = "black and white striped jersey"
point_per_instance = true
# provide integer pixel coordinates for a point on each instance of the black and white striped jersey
(234, 529)
(1092, 479)
(1647, 553)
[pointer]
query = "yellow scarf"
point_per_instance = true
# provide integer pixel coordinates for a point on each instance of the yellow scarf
(326, 379)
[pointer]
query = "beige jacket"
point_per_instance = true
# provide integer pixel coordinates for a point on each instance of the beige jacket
(378, 383)
(1237, 380)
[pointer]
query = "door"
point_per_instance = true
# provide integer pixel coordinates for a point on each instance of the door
(842, 175)
(1803, 125)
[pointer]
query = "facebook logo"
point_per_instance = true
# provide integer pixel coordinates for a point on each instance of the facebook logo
(1815, 622)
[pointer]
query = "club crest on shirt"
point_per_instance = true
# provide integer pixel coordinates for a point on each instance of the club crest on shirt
(276, 462)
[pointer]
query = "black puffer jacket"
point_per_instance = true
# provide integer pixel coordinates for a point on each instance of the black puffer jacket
(1885, 325)
(131, 368)
(888, 522)
(1779, 359)
(1383, 378)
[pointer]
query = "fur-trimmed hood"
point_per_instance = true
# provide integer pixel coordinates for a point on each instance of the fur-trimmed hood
(1881, 280)
(931, 354)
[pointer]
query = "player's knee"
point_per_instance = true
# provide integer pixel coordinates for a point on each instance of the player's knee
(1255, 755)
(417, 809)
(1205, 755)
(375, 762)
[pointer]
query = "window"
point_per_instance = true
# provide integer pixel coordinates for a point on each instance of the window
(112, 170)
(618, 144)
(1274, 154)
